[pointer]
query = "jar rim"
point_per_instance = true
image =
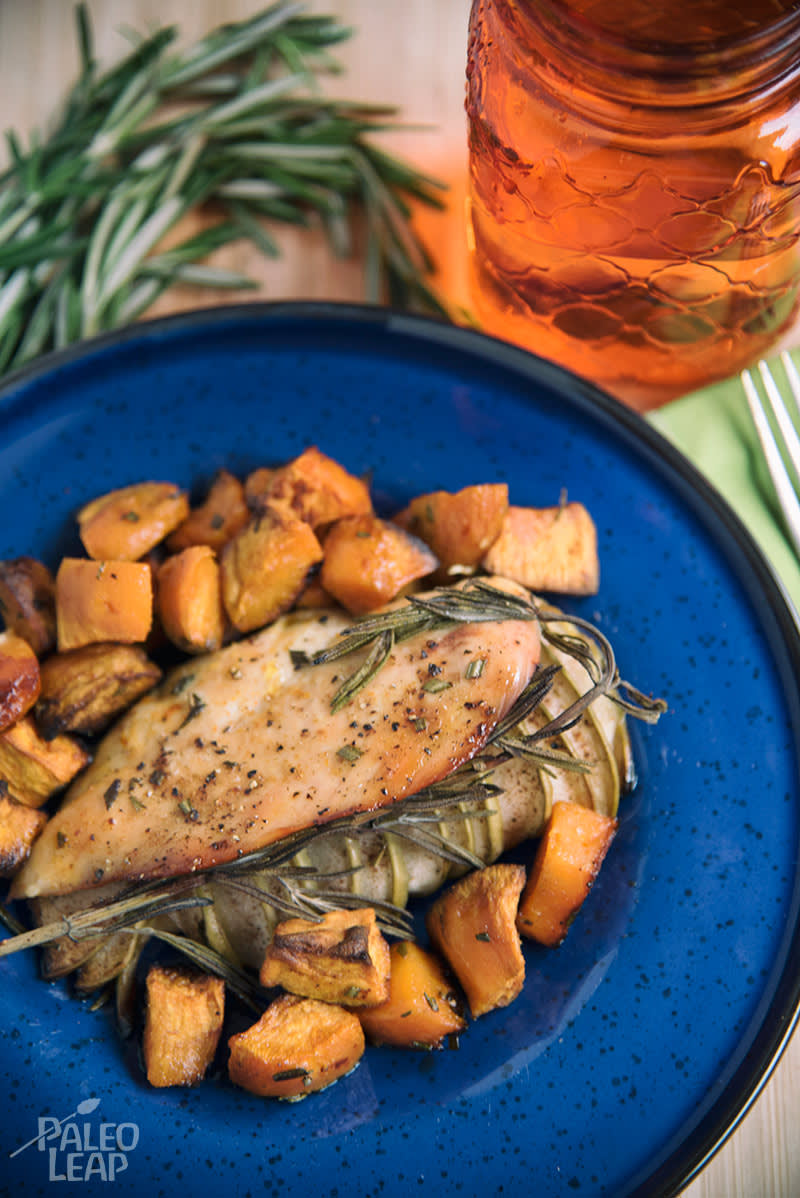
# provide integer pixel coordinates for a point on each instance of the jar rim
(687, 73)
(693, 50)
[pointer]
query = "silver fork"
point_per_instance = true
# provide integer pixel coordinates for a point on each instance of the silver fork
(785, 486)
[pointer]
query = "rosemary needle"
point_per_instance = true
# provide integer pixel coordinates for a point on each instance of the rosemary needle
(236, 127)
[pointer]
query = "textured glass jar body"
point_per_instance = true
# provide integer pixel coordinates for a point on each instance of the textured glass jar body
(635, 184)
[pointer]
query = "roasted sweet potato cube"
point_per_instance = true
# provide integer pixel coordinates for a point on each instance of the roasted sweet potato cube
(298, 1046)
(189, 599)
(369, 561)
(27, 602)
(459, 527)
(183, 1023)
(547, 549)
(84, 689)
(219, 517)
(126, 524)
(343, 958)
(20, 678)
(473, 926)
(313, 486)
(34, 768)
(265, 567)
(102, 601)
(422, 1009)
(568, 859)
(19, 827)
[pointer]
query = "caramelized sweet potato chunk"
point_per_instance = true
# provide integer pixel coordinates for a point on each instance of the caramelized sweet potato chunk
(314, 487)
(369, 561)
(189, 599)
(547, 549)
(126, 524)
(459, 527)
(219, 517)
(20, 678)
(343, 958)
(567, 861)
(265, 567)
(183, 1023)
(84, 689)
(19, 827)
(102, 601)
(473, 925)
(27, 602)
(298, 1046)
(422, 1007)
(34, 768)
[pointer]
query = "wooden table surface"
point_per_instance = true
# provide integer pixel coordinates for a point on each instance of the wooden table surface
(410, 54)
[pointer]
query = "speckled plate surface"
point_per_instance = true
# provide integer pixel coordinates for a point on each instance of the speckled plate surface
(636, 1045)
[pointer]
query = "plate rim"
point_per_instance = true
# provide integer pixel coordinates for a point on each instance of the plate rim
(758, 580)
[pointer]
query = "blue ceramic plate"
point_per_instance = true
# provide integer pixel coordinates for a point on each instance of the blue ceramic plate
(636, 1045)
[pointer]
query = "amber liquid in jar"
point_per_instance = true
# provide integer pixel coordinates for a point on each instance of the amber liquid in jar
(634, 205)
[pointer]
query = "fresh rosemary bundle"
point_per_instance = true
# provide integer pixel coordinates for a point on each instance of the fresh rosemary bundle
(235, 125)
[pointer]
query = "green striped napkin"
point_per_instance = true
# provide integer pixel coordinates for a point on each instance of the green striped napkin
(714, 429)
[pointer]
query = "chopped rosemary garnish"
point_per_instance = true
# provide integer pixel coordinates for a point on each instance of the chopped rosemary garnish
(111, 793)
(290, 1075)
(196, 705)
(435, 685)
(475, 667)
(349, 753)
(234, 129)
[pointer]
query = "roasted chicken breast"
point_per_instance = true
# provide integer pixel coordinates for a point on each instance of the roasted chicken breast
(238, 749)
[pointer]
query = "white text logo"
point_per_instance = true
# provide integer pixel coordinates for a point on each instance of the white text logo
(78, 1150)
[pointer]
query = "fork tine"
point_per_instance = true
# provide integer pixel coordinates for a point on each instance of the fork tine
(778, 404)
(791, 374)
(784, 487)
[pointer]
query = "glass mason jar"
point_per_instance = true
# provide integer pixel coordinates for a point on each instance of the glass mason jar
(634, 206)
